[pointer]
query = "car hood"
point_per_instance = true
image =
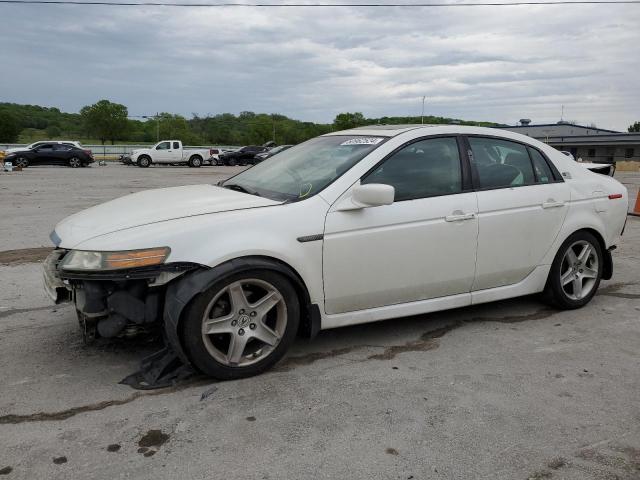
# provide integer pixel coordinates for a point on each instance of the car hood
(13, 151)
(152, 206)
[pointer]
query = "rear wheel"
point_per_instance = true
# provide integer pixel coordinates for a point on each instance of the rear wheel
(576, 272)
(242, 325)
(144, 161)
(195, 161)
(75, 162)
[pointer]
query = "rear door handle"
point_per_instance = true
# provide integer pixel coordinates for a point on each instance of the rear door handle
(459, 216)
(552, 204)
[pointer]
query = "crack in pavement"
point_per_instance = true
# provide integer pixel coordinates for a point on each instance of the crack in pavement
(13, 419)
(427, 341)
(24, 255)
(13, 311)
(613, 290)
(430, 340)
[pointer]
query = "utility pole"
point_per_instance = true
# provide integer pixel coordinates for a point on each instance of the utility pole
(422, 115)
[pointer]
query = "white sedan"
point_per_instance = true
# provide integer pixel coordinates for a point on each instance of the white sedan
(351, 227)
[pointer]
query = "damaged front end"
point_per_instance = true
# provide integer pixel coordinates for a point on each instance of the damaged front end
(112, 303)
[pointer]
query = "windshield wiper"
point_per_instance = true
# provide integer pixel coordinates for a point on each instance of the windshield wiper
(240, 188)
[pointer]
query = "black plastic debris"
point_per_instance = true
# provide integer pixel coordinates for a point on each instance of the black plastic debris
(159, 370)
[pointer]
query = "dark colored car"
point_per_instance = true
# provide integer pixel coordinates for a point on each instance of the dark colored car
(270, 153)
(51, 154)
(242, 156)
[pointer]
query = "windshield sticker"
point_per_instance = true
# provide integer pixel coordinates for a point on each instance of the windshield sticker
(363, 141)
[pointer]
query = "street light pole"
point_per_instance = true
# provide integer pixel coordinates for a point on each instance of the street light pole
(422, 115)
(157, 127)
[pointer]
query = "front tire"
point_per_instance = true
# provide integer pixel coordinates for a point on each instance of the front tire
(22, 162)
(576, 272)
(144, 161)
(242, 325)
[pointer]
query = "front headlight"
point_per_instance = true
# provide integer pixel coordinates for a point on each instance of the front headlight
(83, 260)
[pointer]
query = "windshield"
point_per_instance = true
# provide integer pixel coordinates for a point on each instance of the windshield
(304, 170)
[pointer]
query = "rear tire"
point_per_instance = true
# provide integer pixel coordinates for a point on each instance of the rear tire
(576, 272)
(242, 325)
(195, 161)
(75, 162)
(144, 161)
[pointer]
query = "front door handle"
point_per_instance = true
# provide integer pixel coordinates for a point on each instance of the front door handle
(458, 216)
(551, 203)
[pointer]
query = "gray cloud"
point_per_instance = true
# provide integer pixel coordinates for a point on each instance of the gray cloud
(480, 63)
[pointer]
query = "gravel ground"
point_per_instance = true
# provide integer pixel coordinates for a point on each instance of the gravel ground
(509, 390)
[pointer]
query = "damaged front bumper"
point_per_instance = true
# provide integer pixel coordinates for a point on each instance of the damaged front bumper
(53, 284)
(112, 303)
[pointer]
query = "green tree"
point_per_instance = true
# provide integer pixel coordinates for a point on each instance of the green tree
(175, 127)
(106, 120)
(53, 131)
(634, 128)
(344, 121)
(9, 127)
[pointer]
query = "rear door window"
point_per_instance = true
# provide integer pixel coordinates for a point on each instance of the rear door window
(541, 167)
(176, 145)
(500, 163)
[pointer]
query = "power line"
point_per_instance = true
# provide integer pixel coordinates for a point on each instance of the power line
(321, 5)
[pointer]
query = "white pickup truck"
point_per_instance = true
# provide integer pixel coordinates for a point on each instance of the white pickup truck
(169, 151)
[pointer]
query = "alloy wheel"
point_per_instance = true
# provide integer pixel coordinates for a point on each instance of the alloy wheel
(22, 162)
(74, 162)
(244, 322)
(579, 270)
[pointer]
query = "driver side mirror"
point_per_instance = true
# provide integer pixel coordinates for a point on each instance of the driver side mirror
(369, 195)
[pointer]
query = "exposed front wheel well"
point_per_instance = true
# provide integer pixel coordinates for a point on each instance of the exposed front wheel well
(180, 293)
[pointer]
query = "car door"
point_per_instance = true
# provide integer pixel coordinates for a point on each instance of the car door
(420, 247)
(43, 154)
(163, 153)
(522, 203)
(62, 153)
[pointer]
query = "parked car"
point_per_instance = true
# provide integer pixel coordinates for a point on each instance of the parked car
(31, 146)
(167, 152)
(603, 168)
(270, 153)
(214, 158)
(51, 154)
(242, 156)
(351, 227)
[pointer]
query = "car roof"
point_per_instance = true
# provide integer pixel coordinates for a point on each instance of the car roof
(395, 130)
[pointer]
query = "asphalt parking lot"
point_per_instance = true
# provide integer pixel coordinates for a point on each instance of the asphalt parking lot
(509, 390)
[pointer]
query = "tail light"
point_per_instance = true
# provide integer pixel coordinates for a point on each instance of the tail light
(89, 152)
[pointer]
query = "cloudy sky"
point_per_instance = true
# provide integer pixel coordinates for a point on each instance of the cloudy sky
(479, 63)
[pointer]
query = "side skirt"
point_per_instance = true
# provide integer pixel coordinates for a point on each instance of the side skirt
(533, 283)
